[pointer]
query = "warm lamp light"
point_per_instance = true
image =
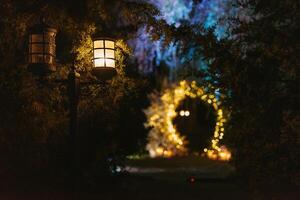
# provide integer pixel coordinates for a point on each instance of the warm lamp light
(104, 58)
(187, 113)
(41, 49)
(182, 113)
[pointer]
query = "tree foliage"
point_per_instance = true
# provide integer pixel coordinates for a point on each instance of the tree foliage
(34, 112)
(259, 67)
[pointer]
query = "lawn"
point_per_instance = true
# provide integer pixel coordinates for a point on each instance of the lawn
(179, 168)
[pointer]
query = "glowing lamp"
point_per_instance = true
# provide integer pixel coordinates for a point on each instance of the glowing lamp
(104, 58)
(192, 179)
(187, 113)
(41, 49)
(182, 113)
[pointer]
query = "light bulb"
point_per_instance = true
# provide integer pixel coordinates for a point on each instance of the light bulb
(187, 113)
(182, 113)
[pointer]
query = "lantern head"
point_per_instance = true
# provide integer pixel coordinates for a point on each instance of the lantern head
(104, 58)
(41, 55)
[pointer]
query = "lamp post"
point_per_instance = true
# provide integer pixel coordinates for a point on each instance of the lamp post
(41, 62)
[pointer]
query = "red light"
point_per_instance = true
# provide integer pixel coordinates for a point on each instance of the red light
(192, 179)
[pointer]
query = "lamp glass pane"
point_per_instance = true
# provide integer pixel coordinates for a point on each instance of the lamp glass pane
(37, 58)
(36, 38)
(109, 53)
(99, 53)
(48, 38)
(98, 44)
(109, 44)
(37, 48)
(110, 63)
(99, 62)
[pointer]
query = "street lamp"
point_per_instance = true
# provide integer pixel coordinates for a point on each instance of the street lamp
(41, 51)
(104, 58)
(41, 61)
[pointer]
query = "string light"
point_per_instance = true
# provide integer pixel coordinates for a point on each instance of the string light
(182, 113)
(164, 139)
(187, 113)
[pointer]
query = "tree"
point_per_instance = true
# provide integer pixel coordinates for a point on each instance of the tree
(258, 66)
(34, 114)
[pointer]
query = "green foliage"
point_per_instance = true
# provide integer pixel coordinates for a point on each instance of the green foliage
(258, 67)
(34, 111)
(83, 48)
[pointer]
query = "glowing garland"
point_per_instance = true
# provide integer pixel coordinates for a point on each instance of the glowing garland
(164, 139)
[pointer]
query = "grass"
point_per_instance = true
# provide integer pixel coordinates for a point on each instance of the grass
(180, 168)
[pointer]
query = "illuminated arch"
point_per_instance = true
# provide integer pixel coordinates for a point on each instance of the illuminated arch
(164, 140)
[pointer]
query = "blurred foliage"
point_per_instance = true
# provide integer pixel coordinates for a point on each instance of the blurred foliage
(259, 67)
(34, 129)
